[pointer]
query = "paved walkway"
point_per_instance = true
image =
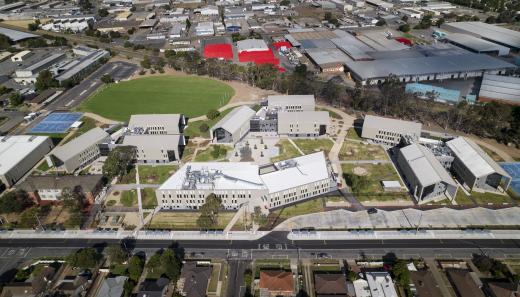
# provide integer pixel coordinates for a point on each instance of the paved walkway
(240, 212)
(295, 146)
(128, 187)
(364, 161)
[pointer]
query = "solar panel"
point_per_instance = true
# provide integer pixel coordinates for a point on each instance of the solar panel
(58, 122)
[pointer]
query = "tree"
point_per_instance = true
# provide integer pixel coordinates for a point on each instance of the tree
(135, 268)
(204, 127)
(357, 182)
(85, 4)
(440, 22)
(84, 258)
(404, 28)
(212, 114)
(209, 212)
(285, 3)
(107, 79)
(491, 19)
(425, 23)
(300, 70)
(172, 265)
(32, 26)
(381, 22)
(401, 275)
(45, 80)
(116, 253)
(133, 8)
(119, 161)
(5, 42)
(15, 202)
(103, 12)
(15, 99)
(145, 63)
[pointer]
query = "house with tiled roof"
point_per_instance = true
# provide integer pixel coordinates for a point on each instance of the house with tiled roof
(330, 284)
(276, 283)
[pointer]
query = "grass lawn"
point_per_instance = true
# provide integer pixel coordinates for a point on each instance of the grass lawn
(148, 198)
(185, 220)
(43, 166)
(158, 174)
(287, 151)
(128, 178)
(309, 146)
(2, 120)
(352, 133)
(359, 151)
(193, 129)
(192, 96)
(462, 199)
(207, 154)
(129, 198)
(514, 264)
(88, 124)
(486, 198)
(374, 173)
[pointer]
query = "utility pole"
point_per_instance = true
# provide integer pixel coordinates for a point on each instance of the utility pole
(419, 223)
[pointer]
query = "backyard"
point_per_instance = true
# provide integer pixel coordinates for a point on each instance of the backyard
(189, 95)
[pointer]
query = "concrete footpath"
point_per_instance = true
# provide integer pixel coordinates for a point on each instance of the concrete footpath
(246, 235)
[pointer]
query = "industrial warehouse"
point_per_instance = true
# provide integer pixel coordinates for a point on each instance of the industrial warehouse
(243, 183)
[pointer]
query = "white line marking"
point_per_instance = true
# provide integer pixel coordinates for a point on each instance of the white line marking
(70, 102)
(82, 92)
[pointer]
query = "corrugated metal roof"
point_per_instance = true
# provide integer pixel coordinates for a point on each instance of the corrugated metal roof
(474, 158)
(426, 65)
(235, 119)
(476, 44)
(500, 87)
(490, 32)
(16, 35)
(425, 166)
(328, 56)
(388, 124)
(14, 149)
(77, 145)
(282, 100)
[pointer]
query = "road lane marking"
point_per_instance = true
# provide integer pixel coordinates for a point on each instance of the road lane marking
(70, 102)
(84, 91)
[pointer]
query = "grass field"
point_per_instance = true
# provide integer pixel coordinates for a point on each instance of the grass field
(129, 198)
(192, 96)
(207, 154)
(287, 151)
(462, 199)
(481, 198)
(492, 154)
(352, 133)
(185, 220)
(155, 174)
(359, 151)
(309, 146)
(148, 198)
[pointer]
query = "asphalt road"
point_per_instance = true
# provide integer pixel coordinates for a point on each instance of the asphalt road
(73, 97)
(236, 286)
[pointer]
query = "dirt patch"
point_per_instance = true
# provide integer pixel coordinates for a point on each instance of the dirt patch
(360, 171)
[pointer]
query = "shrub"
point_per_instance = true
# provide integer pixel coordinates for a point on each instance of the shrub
(212, 114)
(203, 127)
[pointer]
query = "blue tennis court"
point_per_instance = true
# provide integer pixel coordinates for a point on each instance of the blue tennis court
(57, 122)
(513, 168)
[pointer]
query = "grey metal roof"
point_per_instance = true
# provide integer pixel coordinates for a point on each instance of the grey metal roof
(353, 51)
(251, 44)
(307, 116)
(379, 41)
(425, 166)
(500, 87)
(235, 119)
(388, 124)
(87, 182)
(77, 145)
(474, 158)
(283, 100)
(427, 65)
(16, 148)
(316, 43)
(83, 63)
(490, 32)
(16, 35)
(169, 121)
(476, 44)
(44, 63)
(328, 56)
(151, 141)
